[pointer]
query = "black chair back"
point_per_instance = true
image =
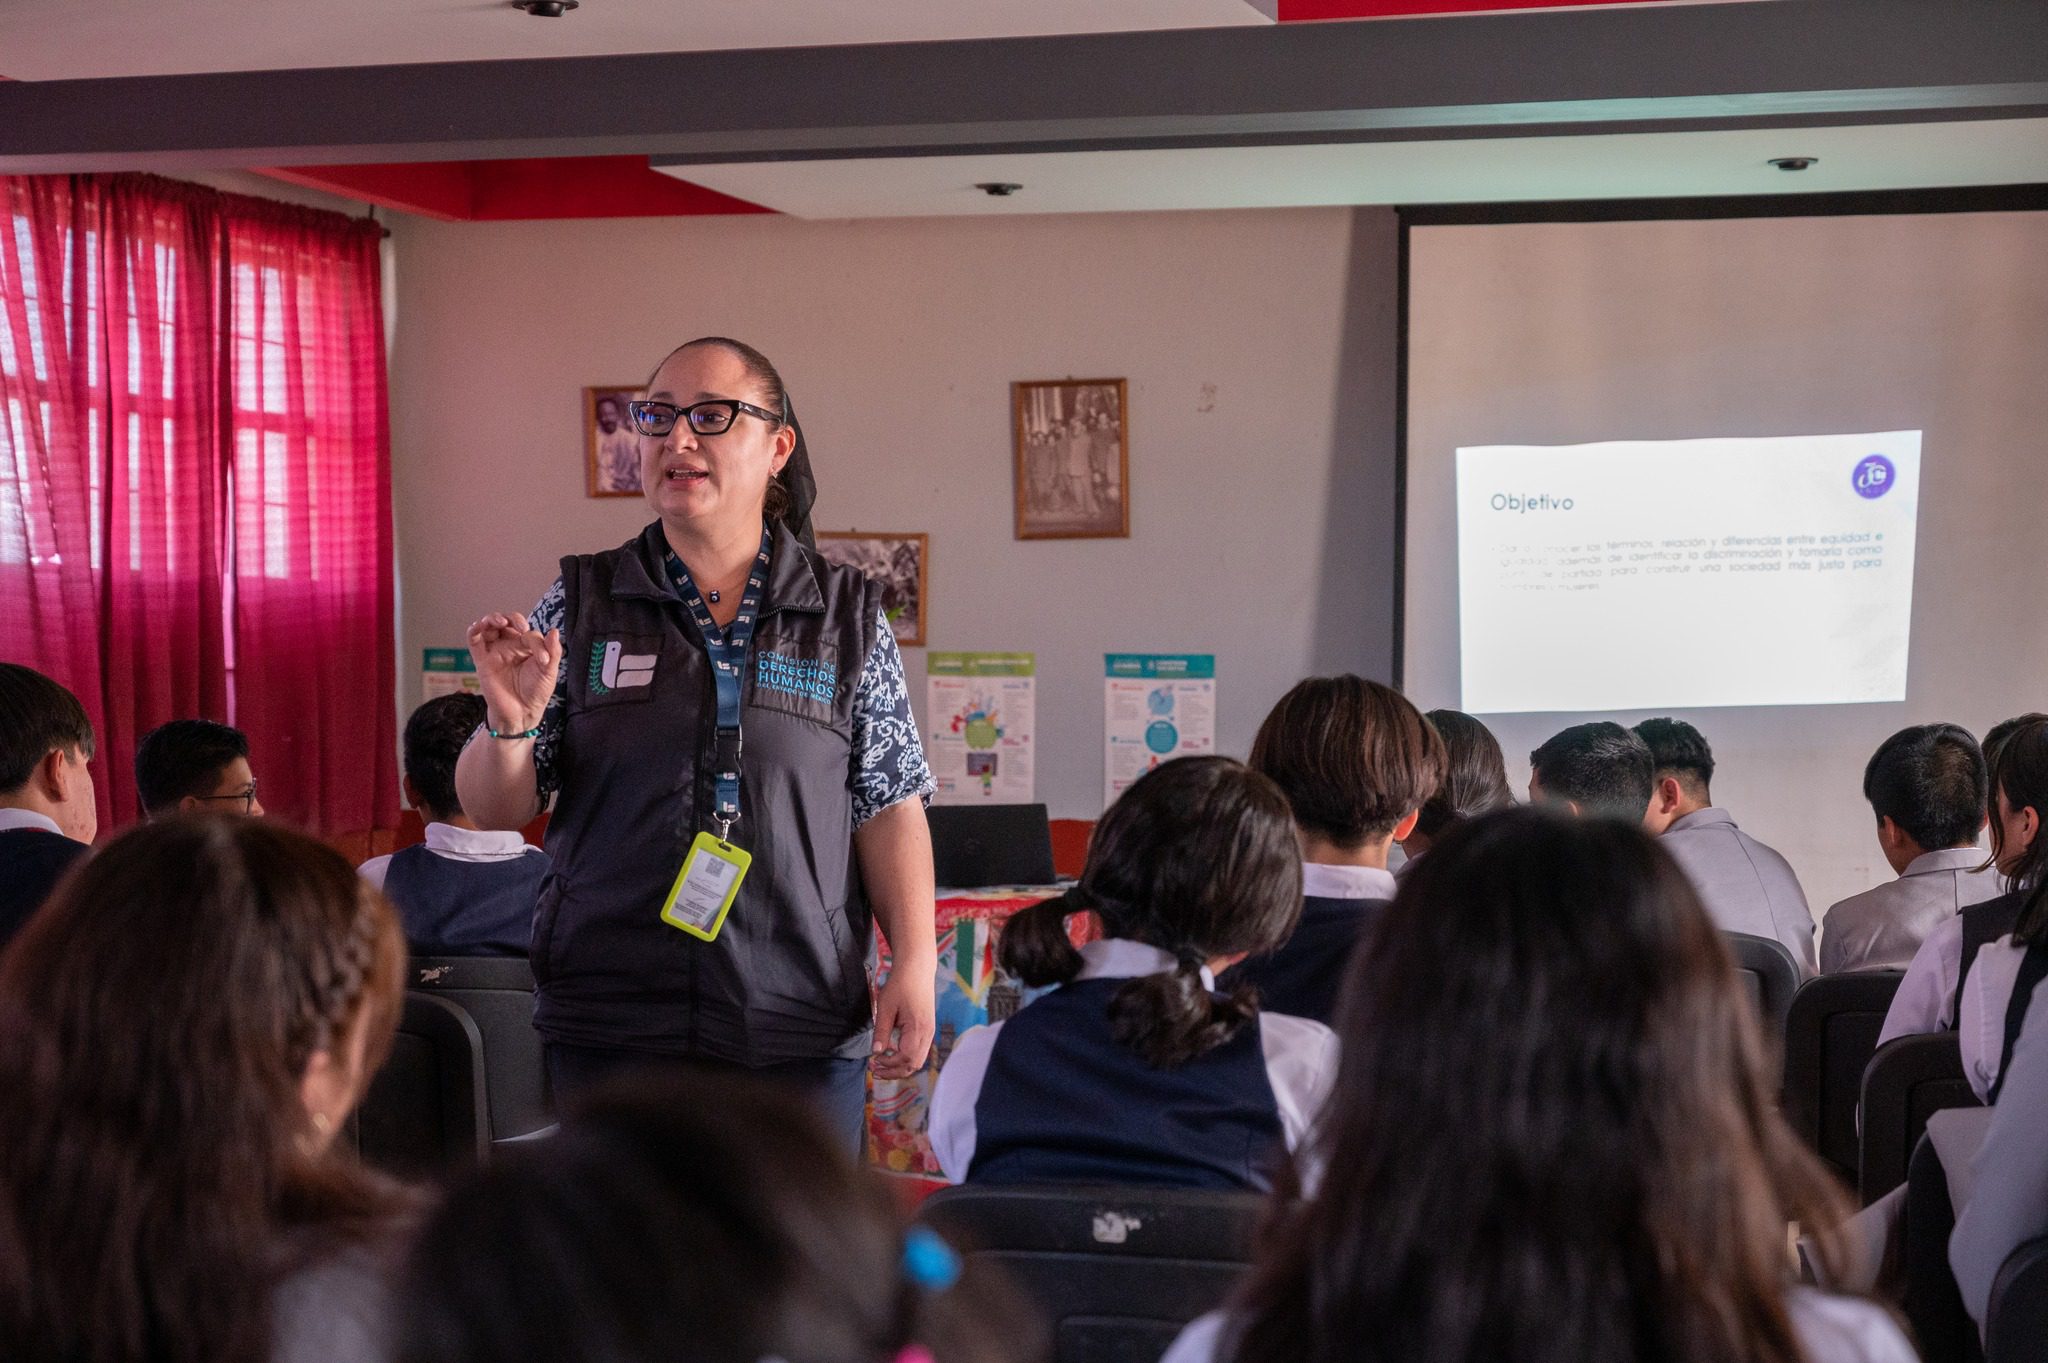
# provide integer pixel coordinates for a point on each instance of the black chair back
(1931, 1300)
(1909, 1080)
(497, 993)
(979, 845)
(2016, 1324)
(1117, 1271)
(1830, 1034)
(1770, 974)
(425, 1111)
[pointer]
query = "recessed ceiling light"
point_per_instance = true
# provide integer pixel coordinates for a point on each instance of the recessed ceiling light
(998, 189)
(1794, 162)
(546, 9)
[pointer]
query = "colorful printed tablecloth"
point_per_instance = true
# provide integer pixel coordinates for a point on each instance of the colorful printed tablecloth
(971, 991)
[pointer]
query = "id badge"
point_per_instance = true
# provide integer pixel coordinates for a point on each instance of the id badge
(705, 888)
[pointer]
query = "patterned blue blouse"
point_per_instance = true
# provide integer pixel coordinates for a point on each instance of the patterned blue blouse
(888, 755)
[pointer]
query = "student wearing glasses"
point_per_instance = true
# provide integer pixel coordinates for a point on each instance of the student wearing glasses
(193, 765)
(721, 718)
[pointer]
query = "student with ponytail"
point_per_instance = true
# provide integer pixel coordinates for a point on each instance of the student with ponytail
(1992, 1000)
(1134, 1068)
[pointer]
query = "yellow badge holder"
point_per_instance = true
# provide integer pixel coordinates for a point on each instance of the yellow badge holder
(706, 887)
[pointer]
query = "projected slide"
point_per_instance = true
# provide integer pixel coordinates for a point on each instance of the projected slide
(1685, 573)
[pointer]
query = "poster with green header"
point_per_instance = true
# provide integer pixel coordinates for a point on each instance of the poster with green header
(981, 711)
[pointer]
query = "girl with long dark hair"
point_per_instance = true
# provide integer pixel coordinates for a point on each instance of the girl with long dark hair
(1998, 986)
(1135, 1069)
(184, 1029)
(1553, 1137)
(1475, 781)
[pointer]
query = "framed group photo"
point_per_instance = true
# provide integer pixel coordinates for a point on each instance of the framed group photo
(901, 563)
(1073, 459)
(611, 445)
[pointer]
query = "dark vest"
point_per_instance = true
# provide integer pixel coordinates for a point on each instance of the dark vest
(2033, 969)
(1305, 976)
(1984, 924)
(1064, 1101)
(465, 908)
(32, 861)
(787, 978)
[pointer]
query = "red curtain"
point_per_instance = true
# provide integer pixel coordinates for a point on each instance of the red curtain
(194, 480)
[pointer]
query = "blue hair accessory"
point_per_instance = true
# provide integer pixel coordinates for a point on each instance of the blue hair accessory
(928, 1261)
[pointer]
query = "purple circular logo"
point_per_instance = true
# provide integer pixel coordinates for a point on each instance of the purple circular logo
(1874, 476)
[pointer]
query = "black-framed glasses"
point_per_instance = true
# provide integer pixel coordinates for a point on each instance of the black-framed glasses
(247, 796)
(714, 417)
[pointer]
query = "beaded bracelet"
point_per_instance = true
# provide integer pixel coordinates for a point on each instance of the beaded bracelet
(530, 733)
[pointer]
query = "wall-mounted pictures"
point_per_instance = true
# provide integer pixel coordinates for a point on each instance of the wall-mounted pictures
(1073, 459)
(901, 563)
(612, 448)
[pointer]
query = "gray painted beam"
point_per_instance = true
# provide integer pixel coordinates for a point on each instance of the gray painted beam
(1789, 61)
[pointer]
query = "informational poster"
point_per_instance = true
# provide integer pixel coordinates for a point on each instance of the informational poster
(1155, 706)
(444, 671)
(982, 711)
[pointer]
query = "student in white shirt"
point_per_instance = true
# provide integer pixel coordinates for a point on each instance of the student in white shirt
(1746, 886)
(1134, 1069)
(1355, 761)
(1926, 1001)
(2008, 1202)
(1928, 786)
(466, 891)
(1554, 1136)
(1994, 996)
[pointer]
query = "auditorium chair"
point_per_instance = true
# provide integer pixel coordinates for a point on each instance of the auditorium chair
(2016, 1324)
(1770, 975)
(1932, 1303)
(497, 993)
(1830, 1034)
(425, 1112)
(1907, 1081)
(1117, 1271)
(974, 846)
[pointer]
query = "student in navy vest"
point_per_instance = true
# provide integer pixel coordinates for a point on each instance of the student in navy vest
(1134, 1069)
(1927, 996)
(1554, 1136)
(1475, 782)
(715, 676)
(1355, 761)
(465, 891)
(47, 816)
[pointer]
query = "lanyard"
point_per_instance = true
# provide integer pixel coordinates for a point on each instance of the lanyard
(728, 651)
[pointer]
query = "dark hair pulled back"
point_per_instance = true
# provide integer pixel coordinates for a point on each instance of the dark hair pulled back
(769, 393)
(1197, 858)
(1475, 774)
(2020, 773)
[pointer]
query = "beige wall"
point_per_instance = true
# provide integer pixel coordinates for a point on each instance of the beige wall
(1259, 348)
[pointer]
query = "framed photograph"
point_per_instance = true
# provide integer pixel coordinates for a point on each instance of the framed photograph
(612, 447)
(1073, 459)
(901, 563)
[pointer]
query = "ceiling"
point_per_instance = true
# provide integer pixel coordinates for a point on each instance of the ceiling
(885, 108)
(86, 39)
(1478, 170)
(73, 39)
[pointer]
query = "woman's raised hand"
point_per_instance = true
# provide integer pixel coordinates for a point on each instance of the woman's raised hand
(516, 666)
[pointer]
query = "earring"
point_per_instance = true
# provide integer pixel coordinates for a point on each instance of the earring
(322, 1123)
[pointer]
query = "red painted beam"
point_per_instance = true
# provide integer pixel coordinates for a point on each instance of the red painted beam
(592, 187)
(1294, 11)
(497, 191)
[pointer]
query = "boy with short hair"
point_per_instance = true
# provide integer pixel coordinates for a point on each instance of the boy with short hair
(1928, 787)
(465, 891)
(47, 816)
(191, 765)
